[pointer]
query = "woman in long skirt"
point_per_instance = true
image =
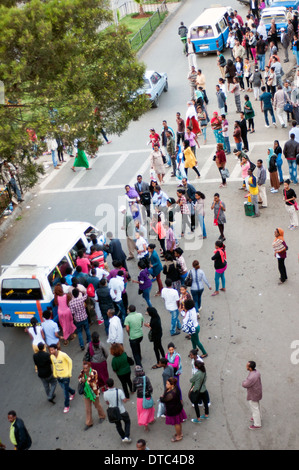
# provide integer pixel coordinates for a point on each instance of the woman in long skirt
(81, 160)
(145, 416)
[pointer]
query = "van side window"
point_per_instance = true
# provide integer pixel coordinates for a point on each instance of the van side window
(59, 271)
(222, 25)
(21, 289)
(218, 28)
(73, 253)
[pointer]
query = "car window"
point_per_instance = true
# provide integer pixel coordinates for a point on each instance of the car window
(146, 84)
(222, 24)
(203, 32)
(21, 289)
(155, 78)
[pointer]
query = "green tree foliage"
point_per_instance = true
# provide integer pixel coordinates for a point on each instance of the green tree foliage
(59, 54)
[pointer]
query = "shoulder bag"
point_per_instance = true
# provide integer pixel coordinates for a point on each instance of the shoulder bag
(147, 402)
(188, 327)
(113, 412)
(193, 395)
(188, 281)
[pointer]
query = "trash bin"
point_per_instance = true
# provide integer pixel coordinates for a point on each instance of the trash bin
(249, 209)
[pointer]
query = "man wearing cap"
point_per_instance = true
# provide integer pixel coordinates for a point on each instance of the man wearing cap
(285, 41)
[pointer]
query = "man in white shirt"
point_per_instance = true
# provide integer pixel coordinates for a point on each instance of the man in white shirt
(117, 286)
(190, 53)
(116, 397)
(115, 333)
(171, 298)
(295, 131)
(159, 199)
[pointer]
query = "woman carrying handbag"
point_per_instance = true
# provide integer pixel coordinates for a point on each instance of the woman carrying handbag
(191, 326)
(145, 403)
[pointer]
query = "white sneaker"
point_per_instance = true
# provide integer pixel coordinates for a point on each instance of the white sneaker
(274, 124)
(266, 125)
(127, 440)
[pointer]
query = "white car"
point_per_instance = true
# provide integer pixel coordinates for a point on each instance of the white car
(154, 85)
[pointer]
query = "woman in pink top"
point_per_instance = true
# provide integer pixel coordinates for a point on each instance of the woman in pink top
(64, 314)
(83, 262)
(245, 166)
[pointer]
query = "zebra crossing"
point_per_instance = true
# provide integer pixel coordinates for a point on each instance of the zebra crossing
(113, 170)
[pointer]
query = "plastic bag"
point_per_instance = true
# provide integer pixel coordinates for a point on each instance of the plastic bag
(161, 409)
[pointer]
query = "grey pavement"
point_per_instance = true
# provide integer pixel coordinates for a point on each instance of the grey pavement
(254, 320)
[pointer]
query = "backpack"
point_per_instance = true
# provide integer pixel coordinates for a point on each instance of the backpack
(90, 290)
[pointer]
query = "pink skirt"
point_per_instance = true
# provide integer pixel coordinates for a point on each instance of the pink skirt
(144, 416)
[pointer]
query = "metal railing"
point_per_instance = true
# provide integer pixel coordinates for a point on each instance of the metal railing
(150, 26)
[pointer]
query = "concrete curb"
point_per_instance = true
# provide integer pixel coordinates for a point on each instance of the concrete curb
(159, 29)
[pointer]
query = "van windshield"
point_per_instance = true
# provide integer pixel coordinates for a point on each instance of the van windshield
(278, 17)
(21, 289)
(202, 32)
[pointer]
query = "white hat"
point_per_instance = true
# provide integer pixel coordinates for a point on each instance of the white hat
(282, 29)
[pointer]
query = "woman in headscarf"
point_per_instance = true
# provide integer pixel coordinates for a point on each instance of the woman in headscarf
(272, 34)
(81, 159)
(190, 160)
(156, 333)
(261, 30)
(133, 201)
(97, 356)
(65, 316)
(89, 377)
(230, 72)
(191, 118)
(143, 387)
(278, 150)
(280, 252)
(272, 167)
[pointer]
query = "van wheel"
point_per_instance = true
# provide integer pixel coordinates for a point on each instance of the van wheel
(204, 54)
(156, 102)
(166, 86)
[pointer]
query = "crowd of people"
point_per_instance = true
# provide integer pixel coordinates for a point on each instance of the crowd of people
(96, 294)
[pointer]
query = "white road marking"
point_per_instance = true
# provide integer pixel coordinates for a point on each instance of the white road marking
(144, 168)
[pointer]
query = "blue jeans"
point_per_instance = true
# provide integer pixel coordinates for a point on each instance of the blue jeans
(67, 390)
(15, 188)
(266, 116)
(175, 322)
(201, 220)
(219, 276)
(297, 57)
(54, 159)
(262, 61)
(146, 296)
(227, 144)
(293, 171)
(196, 296)
(279, 168)
(239, 146)
(80, 326)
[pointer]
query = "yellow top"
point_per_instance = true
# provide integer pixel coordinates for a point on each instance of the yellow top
(62, 365)
(253, 190)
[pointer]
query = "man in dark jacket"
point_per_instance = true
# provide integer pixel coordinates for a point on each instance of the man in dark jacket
(142, 189)
(115, 250)
(290, 150)
(19, 435)
(105, 301)
(43, 364)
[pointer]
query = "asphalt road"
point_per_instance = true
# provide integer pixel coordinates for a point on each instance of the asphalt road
(254, 320)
